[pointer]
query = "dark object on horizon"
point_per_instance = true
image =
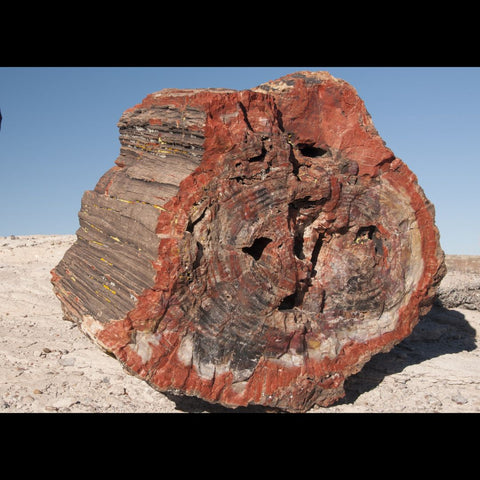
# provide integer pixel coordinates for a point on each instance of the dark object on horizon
(0, 119)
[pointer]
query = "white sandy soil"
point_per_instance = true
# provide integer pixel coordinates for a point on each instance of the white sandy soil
(48, 365)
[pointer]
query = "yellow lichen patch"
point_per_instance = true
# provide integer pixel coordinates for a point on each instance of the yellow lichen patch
(95, 227)
(109, 289)
(313, 343)
(106, 261)
(96, 243)
(169, 150)
(154, 147)
(103, 296)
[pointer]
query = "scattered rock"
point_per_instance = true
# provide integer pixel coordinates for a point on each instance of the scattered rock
(64, 402)
(67, 361)
(464, 293)
(459, 399)
(50, 408)
(117, 389)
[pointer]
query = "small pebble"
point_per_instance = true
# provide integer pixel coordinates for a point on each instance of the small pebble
(64, 402)
(67, 362)
(459, 399)
(37, 391)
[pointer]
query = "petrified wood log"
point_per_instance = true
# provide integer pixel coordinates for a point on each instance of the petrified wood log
(252, 247)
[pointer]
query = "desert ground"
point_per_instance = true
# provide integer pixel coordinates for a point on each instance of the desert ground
(48, 365)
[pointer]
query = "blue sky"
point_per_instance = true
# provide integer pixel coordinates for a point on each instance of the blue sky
(59, 134)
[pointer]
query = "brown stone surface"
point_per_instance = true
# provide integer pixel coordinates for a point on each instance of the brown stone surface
(461, 289)
(253, 247)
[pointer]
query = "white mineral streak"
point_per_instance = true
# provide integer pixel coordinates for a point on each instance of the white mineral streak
(185, 351)
(143, 344)
(91, 326)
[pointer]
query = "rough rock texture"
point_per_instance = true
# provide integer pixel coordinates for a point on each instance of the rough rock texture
(462, 286)
(253, 247)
